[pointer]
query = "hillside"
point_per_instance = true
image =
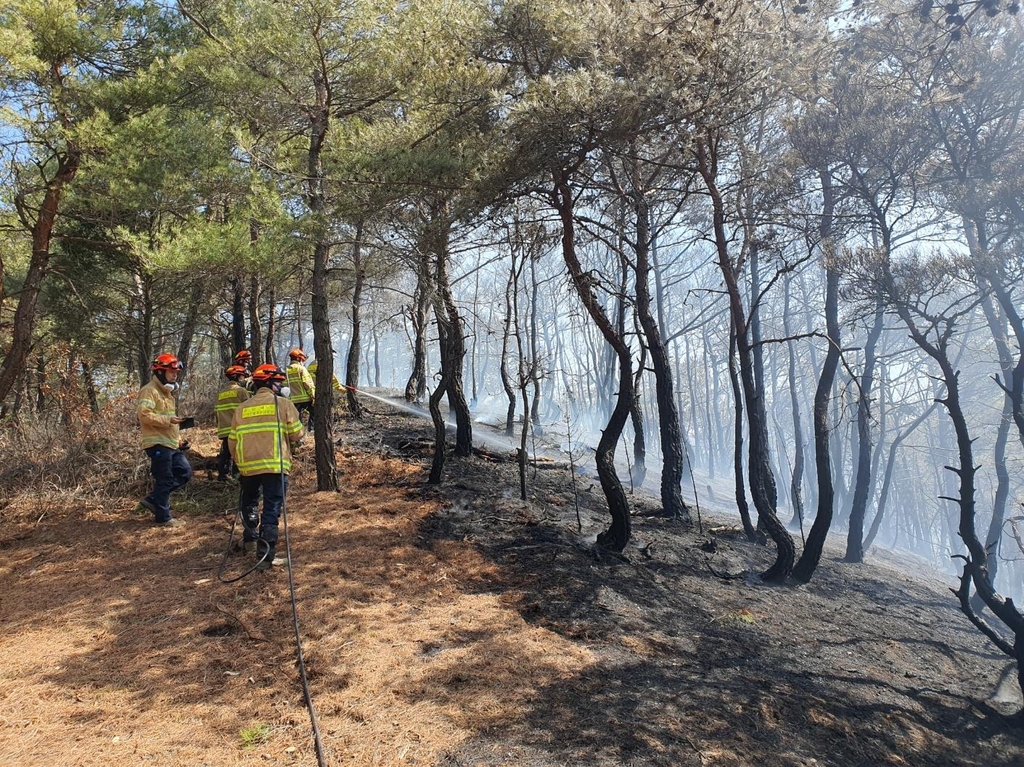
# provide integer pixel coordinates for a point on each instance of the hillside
(460, 627)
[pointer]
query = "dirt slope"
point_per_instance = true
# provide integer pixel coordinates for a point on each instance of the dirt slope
(462, 626)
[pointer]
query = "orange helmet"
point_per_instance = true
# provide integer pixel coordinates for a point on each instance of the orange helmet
(166, 362)
(243, 356)
(234, 371)
(298, 355)
(269, 373)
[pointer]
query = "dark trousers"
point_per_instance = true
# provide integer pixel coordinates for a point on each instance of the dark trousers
(170, 469)
(225, 466)
(273, 487)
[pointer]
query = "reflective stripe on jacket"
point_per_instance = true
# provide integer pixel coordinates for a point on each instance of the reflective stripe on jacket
(263, 430)
(335, 383)
(301, 383)
(155, 408)
(230, 397)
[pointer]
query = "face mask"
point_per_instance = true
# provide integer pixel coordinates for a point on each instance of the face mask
(285, 391)
(170, 387)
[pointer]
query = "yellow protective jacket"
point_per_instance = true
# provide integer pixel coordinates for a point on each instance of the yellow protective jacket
(301, 384)
(231, 396)
(263, 430)
(335, 383)
(155, 407)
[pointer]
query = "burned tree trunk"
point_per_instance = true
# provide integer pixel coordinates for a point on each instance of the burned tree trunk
(808, 562)
(510, 327)
(453, 350)
(618, 534)
(862, 488)
(977, 562)
(762, 480)
(419, 315)
(737, 452)
(796, 480)
(668, 416)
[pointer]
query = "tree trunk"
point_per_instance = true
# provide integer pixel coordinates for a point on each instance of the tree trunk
(38, 267)
(326, 466)
(796, 481)
(452, 341)
(618, 534)
(90, 387)
(762, 481)
(976, 564)
(863, 488)
(811, 556)
(737, 454)
(422, 300)
(355, 347)
(668, 417)
(535, 370)
(510, 322)
(142, 282)
(255, 328)
(188, 330)
(268, 349)
(238, 338)
(887, 479)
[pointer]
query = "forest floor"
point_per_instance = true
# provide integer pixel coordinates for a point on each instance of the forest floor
(462, 626)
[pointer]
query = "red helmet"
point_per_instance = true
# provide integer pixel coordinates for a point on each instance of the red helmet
(166, 362)
(297, 354)
(243, 356)
(235, 371)
(269, 372)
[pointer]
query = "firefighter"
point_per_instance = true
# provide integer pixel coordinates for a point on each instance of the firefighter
(244, 359)
(231, 396)
(160, 439)
(300, 382)
(335, 383)
(263, 431)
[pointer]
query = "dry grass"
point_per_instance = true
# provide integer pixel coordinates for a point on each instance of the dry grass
(121, 646)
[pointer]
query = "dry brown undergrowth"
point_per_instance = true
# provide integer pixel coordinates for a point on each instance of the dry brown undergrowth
(121, 647)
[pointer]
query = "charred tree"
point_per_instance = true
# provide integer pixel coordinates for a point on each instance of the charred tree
(453, 350)
(796, 479)
(977, 562)
(863, 484)
(668, 416)
(762, 480)
(815, 543)
(617, 535)
(419, 317)
(510, 326)
(737, 453)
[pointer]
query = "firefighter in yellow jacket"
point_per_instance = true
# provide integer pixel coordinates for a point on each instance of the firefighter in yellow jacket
(263, 431)
(335, 383)
(230, 397)
(160, 439)
(301, 385)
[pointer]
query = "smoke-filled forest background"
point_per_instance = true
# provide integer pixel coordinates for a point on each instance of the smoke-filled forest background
(774, 246)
